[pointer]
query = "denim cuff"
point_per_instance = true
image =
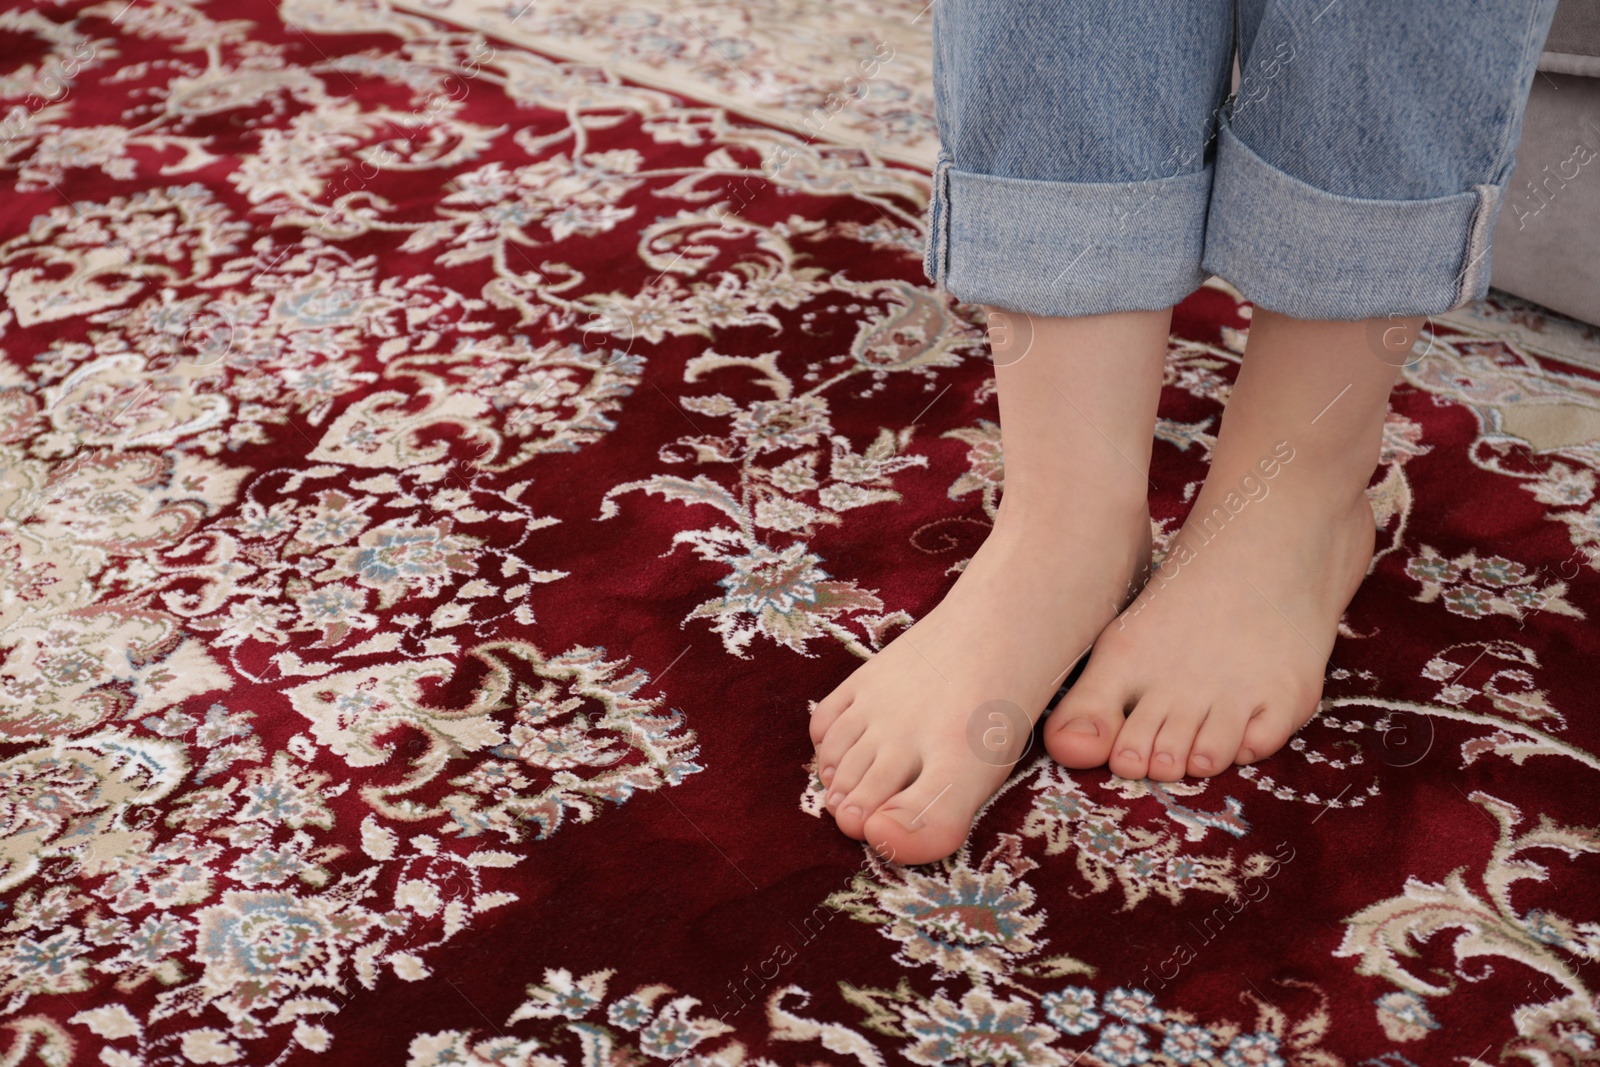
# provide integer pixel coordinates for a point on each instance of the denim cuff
(1066, 248)
(1300, 251)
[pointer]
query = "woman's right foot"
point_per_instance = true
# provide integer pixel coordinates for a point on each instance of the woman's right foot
(913, 743)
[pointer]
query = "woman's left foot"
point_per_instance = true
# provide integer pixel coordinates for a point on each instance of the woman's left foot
(1221, 656)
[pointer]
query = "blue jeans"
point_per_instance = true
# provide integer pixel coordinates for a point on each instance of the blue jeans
(1089, 161)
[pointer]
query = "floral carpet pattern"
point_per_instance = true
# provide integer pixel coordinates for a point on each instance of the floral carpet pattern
(853, 72)
(435, 477)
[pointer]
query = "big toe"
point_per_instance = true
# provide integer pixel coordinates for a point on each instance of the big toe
(1079, 733)
(930, 818)
(1268, 731)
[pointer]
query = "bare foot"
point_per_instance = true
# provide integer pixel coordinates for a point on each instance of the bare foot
(1221, 656)
(905, 767)
(913, 743)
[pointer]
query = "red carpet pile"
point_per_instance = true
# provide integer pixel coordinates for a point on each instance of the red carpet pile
(434, 479)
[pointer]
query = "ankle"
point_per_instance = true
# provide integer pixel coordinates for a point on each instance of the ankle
(1074, 501)
(1327, 478)
(1333, 491)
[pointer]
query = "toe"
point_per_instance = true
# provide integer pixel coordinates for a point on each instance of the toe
(1218, 740)
(826, 712)
(844, 733)
(1267, 731)
(1080, 731)
(930, 818)
(889, 774)
(1130, 753)
(853, 767)
(1169, 756)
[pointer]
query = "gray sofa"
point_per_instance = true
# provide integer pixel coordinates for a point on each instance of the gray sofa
(1547, 242)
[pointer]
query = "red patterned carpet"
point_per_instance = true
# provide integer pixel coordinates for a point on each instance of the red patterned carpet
(430, 500)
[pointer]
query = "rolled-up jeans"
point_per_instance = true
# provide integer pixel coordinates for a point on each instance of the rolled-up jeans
(1092, 160)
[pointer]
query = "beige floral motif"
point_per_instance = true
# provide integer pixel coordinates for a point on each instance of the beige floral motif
(1139, 860)
(1476, 588)
(1563, 486)
(400, 556)
(1196, 368)
(559, 195)
(915, 331)
(431, 538)
(73, 799)
(1537, 423)
(774, 447)
(855, 73)
(260, 947)
(982, 1028)
(976, 921)
(1404, 1016)
(1490, 926)
(66, 46)
(382, 429)
(350, 710)
(577, 712)
(581, 737)
(75, 659)
(785, 596)
(1510, 690)
(743, 294)
(1402, 440)
(1583, 525)
(573, 1012)
(113, 250)
(986, 465)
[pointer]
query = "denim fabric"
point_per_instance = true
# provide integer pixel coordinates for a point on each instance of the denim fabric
(1092, 160)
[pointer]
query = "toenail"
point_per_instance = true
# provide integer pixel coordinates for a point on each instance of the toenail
(1082, 726)
(835, 798)
(1162, 757)
(852, 810)
(1129, 753)
(1248, 755)
(904, 818)
(1203, 762)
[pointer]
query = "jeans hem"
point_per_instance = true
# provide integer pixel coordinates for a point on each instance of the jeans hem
(936, 254)
(1301, 251)
(1066, 248)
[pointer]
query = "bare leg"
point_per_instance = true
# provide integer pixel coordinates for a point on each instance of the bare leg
(1221, 657)
(1077, 411)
